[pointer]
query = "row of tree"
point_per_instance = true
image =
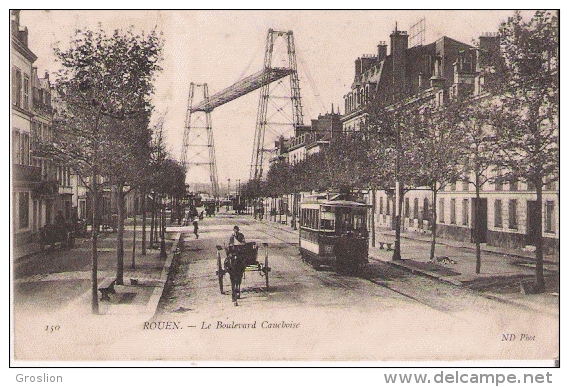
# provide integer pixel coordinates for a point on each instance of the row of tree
(103, 126)
(509, 133)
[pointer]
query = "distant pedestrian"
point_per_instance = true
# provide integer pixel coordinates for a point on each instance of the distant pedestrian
(195, 222)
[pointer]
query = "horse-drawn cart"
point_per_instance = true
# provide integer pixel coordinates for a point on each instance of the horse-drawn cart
(238, 260)
(51, 234)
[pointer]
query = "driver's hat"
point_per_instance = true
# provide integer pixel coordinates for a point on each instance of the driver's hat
(236, 228)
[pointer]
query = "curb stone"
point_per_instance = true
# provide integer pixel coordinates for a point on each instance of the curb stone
(157, 293)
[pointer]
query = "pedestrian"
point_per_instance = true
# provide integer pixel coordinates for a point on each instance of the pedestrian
(195, 222)
(59, 219)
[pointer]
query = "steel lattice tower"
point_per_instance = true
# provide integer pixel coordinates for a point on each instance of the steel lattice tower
(198, 137)
(260, 147)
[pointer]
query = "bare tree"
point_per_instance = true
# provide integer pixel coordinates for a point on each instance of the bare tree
(393, 161)
(103, 78)
(526, 119)
(440, 145)
(472, 117)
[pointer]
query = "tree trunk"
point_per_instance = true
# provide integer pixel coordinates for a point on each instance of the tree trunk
(397, 249)
(476, 225)
(156, 219)
(134, 239)
(120, 235)
(434, 226)
(94, 235)
(162, 230)
(373, 217)
(151, 224)
(144, 222)
(539, 280)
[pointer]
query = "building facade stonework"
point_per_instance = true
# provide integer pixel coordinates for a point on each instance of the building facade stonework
(25, 176)
(433, 74)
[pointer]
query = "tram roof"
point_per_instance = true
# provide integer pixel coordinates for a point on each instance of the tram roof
(344, 203)
(335, 203)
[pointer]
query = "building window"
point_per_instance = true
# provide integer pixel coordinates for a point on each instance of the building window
(513, 214)
(550, 185)
(452, 211)
(387, 212)
(416, 208)
(497, 213)
(549, 216)
(406, 207)
(16, 147)
(23, 210)
(465, 212)
(381, 206)
(514, 185)
(453, 186)
(16, 87)
(26, 92)
(25, 149)
(465, 185)
(530, 185)
(426, 213)
(441, 210)
(499, 180)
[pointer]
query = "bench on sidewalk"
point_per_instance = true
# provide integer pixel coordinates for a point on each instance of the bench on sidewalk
(388, 244)
(106, 287)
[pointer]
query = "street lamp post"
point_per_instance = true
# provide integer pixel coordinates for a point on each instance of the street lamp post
(398, 196)
(228, 194)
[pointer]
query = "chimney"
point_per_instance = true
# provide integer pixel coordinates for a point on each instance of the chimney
(489, 50)
(399, 45)
(358, 67)
(381, 51)
(23, 35)
(15, 21)
(46, 75)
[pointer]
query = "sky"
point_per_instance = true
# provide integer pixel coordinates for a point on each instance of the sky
(220, 47)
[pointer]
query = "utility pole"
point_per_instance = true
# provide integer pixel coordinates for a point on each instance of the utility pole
(228, 194)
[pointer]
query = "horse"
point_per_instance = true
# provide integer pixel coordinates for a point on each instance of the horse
(235, 264)
(238, 258)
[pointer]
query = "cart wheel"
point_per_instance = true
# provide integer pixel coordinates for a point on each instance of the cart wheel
(267, 269)
(220, 272)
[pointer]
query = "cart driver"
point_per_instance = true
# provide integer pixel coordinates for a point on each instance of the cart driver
(237, 238)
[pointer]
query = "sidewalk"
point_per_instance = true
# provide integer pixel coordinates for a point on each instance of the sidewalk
(143, 285)
(519, 253)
